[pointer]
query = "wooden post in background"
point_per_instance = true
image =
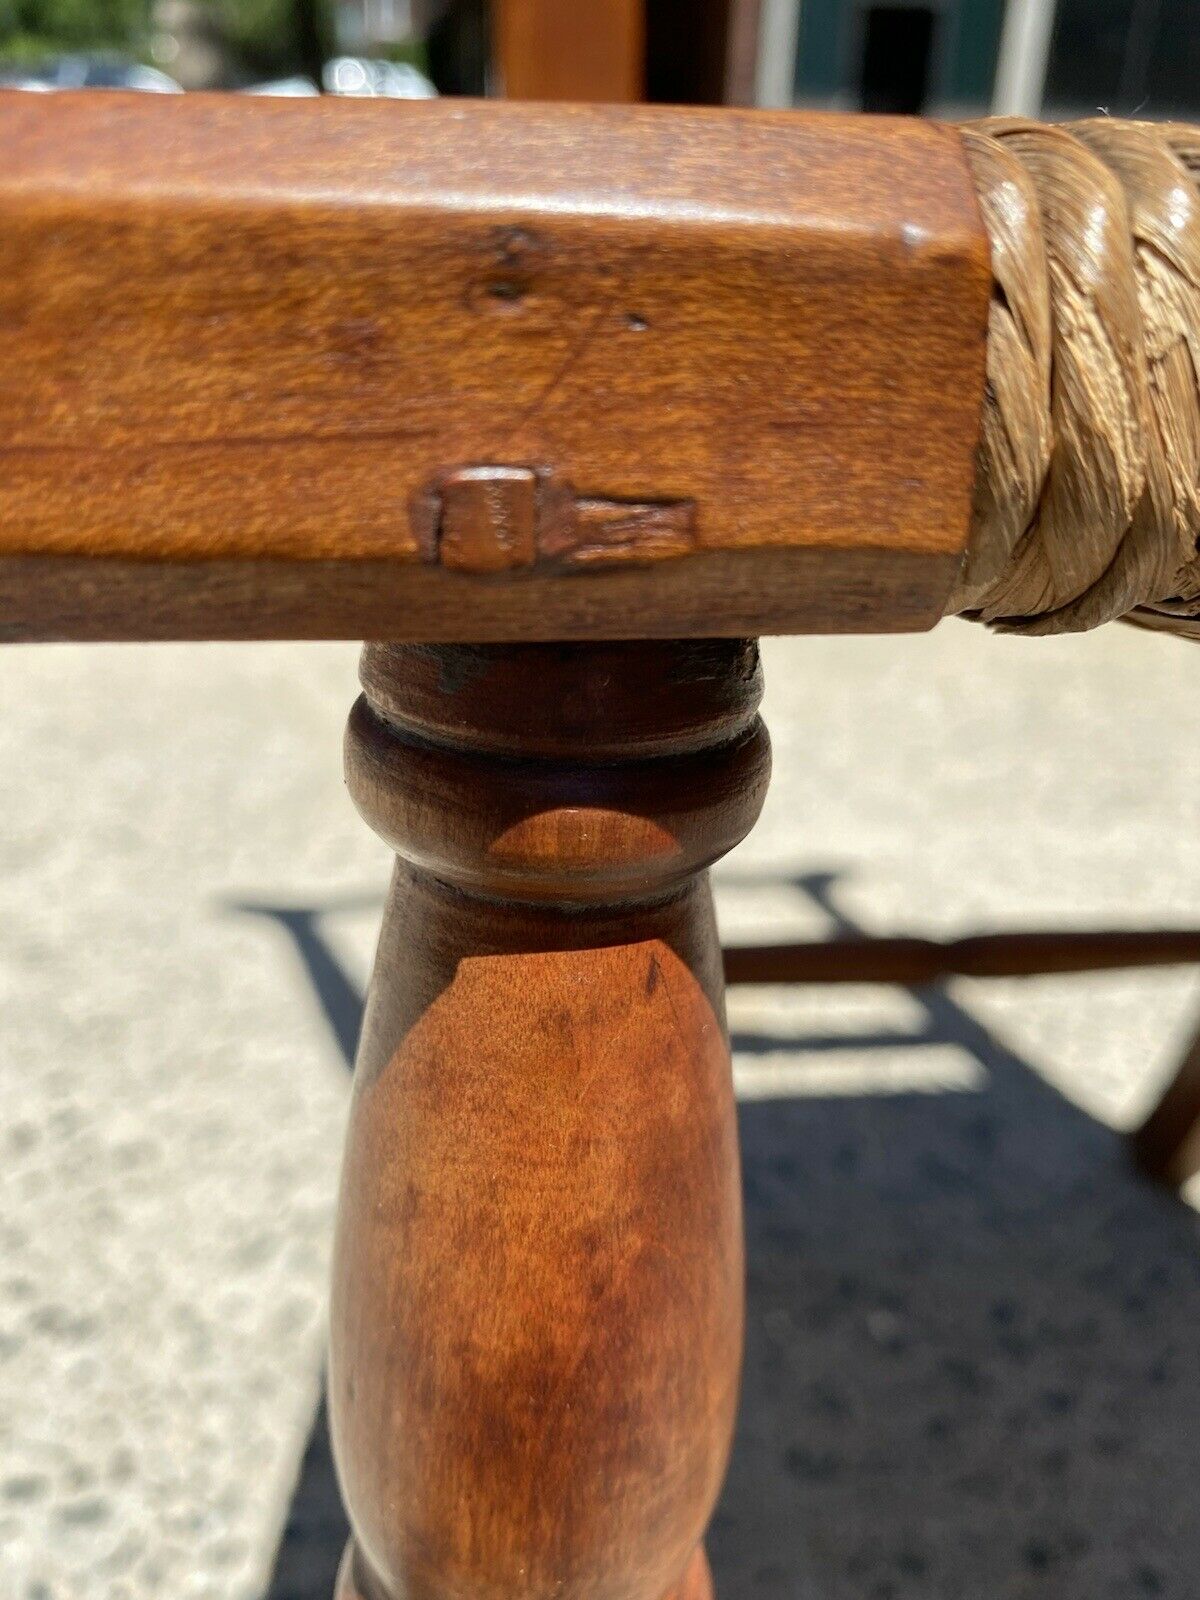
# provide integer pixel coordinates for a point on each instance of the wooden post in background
(582, 50)
(701, 52)
(688, 52)
(538, 1278)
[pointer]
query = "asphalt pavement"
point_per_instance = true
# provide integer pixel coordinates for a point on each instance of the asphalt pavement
(973, 1366)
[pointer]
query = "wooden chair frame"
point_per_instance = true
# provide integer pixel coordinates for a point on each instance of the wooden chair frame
(557, 407)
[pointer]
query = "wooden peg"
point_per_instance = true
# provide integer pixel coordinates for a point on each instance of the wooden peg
(652, 371)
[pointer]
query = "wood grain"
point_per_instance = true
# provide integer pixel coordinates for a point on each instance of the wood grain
(537, 1303)
(713, 593)
(254, 331)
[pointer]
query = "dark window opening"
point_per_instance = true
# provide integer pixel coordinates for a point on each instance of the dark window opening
(897, 58)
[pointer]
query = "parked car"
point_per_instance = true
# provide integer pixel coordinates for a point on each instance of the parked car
(393, 80)
(344, 75)
(88, 72)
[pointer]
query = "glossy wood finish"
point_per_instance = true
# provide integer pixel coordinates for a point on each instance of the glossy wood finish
(537, 1303)
(587, 50)
(233, 389)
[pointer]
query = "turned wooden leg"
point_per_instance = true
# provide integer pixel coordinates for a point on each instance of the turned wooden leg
(537, 1299)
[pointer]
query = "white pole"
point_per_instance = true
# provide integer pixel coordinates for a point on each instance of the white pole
(1024, 51)
(778, 41)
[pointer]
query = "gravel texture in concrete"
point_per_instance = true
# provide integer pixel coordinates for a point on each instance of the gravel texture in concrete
(973, 1366)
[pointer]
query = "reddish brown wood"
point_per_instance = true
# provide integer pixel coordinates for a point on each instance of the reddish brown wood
(584, 50)
(246, 343)
(992, 955)
(718, 592)
(537, 1304)
(353, 1583)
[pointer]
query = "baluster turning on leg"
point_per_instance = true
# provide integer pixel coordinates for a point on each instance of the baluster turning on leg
(537, 1302)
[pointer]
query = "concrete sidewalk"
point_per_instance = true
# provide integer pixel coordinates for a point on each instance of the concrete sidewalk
(973, 1366)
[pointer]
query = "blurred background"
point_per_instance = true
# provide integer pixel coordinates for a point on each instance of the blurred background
(1048, 58)
(972, 1365)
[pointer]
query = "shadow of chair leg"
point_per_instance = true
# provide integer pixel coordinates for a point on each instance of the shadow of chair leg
(1167, 1145)
(316, 1530)
(340, 1001)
